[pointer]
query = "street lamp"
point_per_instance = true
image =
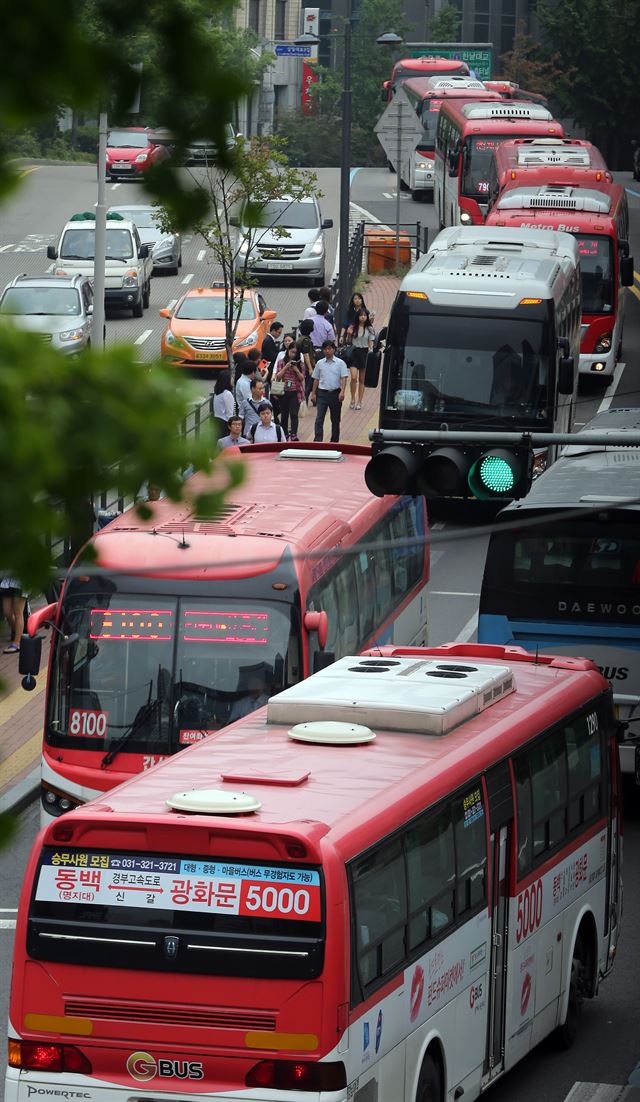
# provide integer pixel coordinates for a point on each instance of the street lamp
(393, 40)
(345, 159)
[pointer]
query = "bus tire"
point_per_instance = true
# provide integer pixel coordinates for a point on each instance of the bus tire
(568, 1031)
(429, 1083)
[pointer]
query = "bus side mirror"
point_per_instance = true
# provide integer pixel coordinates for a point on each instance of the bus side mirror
(626, 271)
(52, 252)
(45, 616)
(29, 660)
(318, 622)
(566, 372)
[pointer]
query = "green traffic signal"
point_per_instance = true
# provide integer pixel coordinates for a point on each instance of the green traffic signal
(499, 473)
(455, 471)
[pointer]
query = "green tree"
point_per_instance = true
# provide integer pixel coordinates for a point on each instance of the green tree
(597, 40)
(533, 67)
(445, 25)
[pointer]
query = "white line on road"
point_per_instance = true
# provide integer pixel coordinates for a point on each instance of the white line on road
(8, 910)
(451, 593)
(7, 923)
(201, 255)
(114, 186)
(188, 278)
(390, 194)
(143, 336)
(5, 248)
(50, 268)
(170, 305)
(465, 633)
(611, 389)
(437, 526)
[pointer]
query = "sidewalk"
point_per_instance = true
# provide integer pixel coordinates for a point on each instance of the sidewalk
(22, 713)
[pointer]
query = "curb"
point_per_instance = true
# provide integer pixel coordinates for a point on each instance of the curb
(52, 161)
(20, 795)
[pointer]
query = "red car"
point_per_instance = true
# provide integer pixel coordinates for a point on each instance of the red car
(130, 152)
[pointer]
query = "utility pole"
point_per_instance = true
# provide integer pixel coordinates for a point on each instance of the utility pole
(100, 237)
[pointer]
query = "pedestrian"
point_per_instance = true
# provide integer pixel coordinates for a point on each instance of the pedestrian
(223, 403)
(254, 356)
(361, 335)
(271, 345)
(14, 604)
(304, 344)
(243, 385)
(239, 358)
(249, 408)
(354, 305)
(234, 437)
(329, 384)
(291, 373)
(287, 341)
(325, 295)
(265, 430)
(313, 295)
(322, 329)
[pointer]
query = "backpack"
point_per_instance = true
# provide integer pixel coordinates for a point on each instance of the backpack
(279, 432)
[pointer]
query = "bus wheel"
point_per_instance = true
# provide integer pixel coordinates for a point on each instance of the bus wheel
(568, 1031)
(429, 1086)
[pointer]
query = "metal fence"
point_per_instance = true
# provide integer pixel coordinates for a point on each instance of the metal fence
(356, 251)
(414, 240)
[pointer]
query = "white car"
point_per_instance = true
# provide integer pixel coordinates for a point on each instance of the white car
(165, 246)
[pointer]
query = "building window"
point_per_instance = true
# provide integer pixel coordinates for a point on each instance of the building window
(255, 16)
(481, 23)
(507, 26)
(280, 25)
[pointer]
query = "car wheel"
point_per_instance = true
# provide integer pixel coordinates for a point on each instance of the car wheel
(179, 261)
(138, 308)
(146, 295)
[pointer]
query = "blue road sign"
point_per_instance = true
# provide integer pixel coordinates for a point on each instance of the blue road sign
(289, 49)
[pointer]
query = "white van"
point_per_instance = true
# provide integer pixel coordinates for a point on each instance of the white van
(128, 266)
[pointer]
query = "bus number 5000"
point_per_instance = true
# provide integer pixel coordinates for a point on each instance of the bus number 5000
(529, 910)
(278, 901)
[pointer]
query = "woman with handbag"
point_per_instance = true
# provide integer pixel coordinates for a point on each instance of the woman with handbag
(361, 336)
(289, 376)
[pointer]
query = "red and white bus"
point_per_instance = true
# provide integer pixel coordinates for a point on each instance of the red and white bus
(468, 135)
(386, 885)
(599, 220)
(427, 94)
(537, 160)
(423, 67)
(186, 620)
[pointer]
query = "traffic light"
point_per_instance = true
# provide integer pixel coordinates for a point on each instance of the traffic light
(451, 470)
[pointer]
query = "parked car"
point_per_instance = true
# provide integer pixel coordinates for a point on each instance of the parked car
(202, 151)
(195, 335)
(57, 311)
(128, 265)
(131, 150)
(165, 246)
(298, 251)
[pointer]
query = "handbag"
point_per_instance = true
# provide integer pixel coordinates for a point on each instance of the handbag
(277, 388)
(345, 352)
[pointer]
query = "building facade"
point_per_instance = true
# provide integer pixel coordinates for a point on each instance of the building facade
(273, 22)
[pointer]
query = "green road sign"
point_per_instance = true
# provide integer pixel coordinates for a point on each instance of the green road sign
(478, 55)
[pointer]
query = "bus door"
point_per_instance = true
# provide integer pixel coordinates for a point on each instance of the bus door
(614, 855)
(500, 795)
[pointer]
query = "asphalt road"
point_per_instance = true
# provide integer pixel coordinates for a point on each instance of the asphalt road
(609, 1045)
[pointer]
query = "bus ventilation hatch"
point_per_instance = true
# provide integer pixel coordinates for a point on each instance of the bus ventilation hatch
(425, 695)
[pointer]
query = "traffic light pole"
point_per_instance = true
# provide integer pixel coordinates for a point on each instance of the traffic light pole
(537, 439)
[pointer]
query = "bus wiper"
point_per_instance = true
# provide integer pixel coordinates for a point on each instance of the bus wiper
(141, 717)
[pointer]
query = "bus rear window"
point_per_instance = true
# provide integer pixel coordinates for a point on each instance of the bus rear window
(155, 912)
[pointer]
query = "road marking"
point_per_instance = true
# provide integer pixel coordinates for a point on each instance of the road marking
(451, 593)
(188, 278)
(437, 526)
(632, 192)
(201, 255)
(390, 194)
(170, 305)
(635, 291)
(7, 923)
(143, 336)
(465, 633)
(113, 188)
(5, 248)
(611, 389)
(637, 275)
(8, 910)
(26, 171)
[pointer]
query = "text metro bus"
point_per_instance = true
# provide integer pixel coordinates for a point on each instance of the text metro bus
(189, 622)
(420, 883)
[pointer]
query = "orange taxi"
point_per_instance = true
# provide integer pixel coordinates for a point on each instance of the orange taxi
(195, 335)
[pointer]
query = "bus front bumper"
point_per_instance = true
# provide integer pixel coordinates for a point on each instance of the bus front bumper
(598, 364)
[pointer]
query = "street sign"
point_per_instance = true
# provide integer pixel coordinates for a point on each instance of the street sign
(478, 55)
(289, 49)
(399, 126)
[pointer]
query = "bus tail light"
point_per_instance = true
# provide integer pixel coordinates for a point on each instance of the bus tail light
(303, 1075)
(38, 1056)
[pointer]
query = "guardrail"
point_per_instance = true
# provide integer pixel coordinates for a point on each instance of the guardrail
(415, 237)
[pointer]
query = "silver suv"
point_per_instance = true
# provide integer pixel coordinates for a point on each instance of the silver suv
(57, 310)
(290, 241)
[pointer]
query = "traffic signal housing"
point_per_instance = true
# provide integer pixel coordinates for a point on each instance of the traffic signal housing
(488, 473)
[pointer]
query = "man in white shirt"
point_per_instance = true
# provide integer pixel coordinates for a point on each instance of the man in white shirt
(243, 385)
(266, 431)
(329, 383)
(313, 297)
(235, 437)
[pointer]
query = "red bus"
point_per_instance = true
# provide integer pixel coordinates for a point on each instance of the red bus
(423, 67)
(187, 620)
(537, 160)
(468, 135)
(427, 94)
(598, 218)
(508, 89)
(388, 893)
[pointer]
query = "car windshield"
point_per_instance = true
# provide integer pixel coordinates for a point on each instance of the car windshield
(80, 244)
(292, 215)
(461, 366)
(211, 308)
(127, 139)
(145, 218)
(477, 161)
(56, 301)
(596, 274)
(161, 672)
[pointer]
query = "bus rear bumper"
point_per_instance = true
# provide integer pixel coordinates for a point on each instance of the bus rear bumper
(34, 1087)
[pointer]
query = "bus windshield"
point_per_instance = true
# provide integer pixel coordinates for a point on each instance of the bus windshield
(596, 270)
(153, 674)
(477, 161)
(429, 119)
(468, 365)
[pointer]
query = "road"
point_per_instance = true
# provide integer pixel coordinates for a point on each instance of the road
(609, 1046)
